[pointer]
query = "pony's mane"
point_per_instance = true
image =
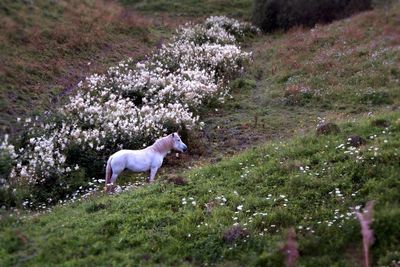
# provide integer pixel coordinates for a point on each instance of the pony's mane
(163, 144)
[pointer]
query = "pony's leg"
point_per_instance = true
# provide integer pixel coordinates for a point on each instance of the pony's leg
(116, 172)
(111, 186)
(114, 177)
(153, 172)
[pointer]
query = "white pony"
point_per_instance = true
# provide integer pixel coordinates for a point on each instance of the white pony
(150, 158)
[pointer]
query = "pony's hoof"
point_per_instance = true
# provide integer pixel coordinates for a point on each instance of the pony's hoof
(109, 189)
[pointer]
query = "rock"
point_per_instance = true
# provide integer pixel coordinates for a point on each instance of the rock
(328, 128)
(356, 141)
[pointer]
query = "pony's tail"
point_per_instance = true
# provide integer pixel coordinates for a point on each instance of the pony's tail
(108, 172)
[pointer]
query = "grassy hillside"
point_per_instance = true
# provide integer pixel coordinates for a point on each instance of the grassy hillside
(311, 183)
(237, 212)
(343, 70)
(47, 47)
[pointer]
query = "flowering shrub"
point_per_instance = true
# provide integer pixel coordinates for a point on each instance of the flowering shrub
(130, 105)
(216, 29)
(222, 61)
(190, 87)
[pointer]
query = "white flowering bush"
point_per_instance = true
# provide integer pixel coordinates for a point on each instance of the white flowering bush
(232, 26)
(128, 107)
(191, 87)
(216, 29)
(221, 61)
(199, 34)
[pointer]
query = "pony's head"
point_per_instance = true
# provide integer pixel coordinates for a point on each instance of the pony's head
(177, 143)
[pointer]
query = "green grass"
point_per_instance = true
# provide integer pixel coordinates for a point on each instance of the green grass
(151, 226)
(235, 8)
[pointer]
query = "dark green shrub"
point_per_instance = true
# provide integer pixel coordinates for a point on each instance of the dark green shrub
(6, 197)
(55, 188)
(271, 15)
(88, 159)
(387, 236)
(5, 165)
(382, 3)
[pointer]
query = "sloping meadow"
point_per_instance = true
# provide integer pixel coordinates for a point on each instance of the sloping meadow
(236, 212)
(128, 107)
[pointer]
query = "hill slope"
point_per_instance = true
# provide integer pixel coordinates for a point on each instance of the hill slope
(312, 183)
(333, 72)
(346, 72)
(47, 47)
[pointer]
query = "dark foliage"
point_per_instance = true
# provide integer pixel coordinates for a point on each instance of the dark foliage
(271, 15)
(382, 123)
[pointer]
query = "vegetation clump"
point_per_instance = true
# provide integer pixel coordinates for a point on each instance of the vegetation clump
(296, 94)
(356, 141)
(234, 234)
(382, 123)
(272, 15)
(373, 97)
(179, 180)
(327, 128)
